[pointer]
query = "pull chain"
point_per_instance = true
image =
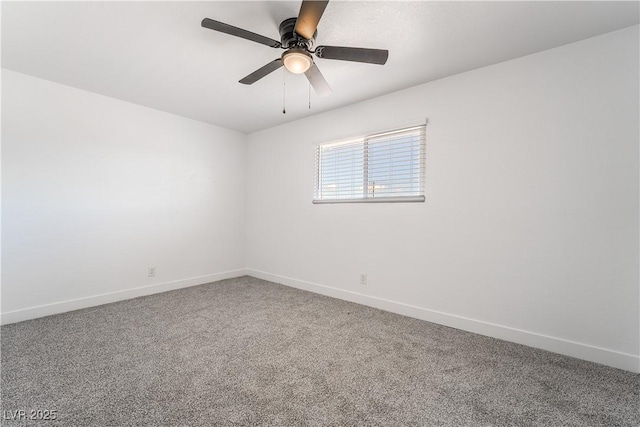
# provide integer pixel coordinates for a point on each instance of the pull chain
(309, 96)
(284, 91)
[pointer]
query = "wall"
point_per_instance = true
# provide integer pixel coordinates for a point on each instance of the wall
(96, 190)
(530, 227)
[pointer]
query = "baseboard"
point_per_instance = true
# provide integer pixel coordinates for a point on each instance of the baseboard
(76, 304)
(628, 362)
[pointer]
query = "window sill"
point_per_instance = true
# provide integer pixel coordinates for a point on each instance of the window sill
(404, 199)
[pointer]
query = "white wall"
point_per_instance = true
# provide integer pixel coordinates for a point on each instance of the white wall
(530, 227)
(96, 190)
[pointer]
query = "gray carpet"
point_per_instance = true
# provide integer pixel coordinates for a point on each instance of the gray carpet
(250, 352)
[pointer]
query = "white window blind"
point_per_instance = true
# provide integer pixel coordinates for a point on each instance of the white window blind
(385, 167)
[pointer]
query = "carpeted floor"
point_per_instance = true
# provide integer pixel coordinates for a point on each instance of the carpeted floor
(250, 352)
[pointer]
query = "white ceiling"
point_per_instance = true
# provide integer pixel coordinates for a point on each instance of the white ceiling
(156, 53)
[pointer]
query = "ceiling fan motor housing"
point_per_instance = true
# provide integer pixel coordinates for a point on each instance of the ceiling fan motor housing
(289, 38)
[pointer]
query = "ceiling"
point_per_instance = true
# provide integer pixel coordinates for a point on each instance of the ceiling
(156, 54)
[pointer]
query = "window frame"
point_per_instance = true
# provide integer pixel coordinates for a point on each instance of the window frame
(365, 198)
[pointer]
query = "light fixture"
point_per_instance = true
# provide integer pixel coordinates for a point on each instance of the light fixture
(297, 61)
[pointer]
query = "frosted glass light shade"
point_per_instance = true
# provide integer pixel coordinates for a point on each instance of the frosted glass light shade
(297, 61)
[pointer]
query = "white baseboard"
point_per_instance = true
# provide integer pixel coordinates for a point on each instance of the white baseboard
(76, 304)
(628, 362)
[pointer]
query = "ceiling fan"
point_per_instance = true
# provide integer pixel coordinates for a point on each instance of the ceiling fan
(297, 38)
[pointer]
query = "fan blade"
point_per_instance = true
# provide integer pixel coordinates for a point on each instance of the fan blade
(310, 13)
(317, 80)
(261, 72)
(239, 32)
(356, 54)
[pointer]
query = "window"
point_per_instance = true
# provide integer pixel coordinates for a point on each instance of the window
(385, 167)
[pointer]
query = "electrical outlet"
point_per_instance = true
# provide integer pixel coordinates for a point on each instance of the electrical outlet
(151, 272)
(363, 278)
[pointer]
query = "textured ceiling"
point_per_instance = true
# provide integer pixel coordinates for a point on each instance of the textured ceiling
(158, 55)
